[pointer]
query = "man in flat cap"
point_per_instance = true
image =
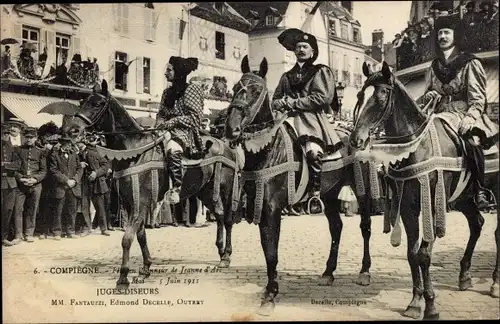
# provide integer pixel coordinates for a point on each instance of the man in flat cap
(16, 126)
(456, 80)
(308, 91)
(29, 178)
(9, 187)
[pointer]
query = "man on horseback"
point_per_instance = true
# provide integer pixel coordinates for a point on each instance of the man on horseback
(307, 91)
(180, 113)
(456, 85)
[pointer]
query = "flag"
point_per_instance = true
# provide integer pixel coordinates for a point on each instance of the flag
(182, 27)
(307, 25)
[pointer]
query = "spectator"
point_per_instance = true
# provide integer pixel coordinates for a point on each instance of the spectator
(64, 165)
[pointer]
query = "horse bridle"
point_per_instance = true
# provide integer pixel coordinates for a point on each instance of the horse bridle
(97, 117)
(240, 105)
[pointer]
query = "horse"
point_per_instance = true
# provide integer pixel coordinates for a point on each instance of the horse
(142, 181)
(427, 170)
(273, 160)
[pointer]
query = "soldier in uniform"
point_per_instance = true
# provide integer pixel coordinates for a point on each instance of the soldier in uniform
(9, 187)
(29, 178)
(95, 172)
(66, 170)
(181, 109)
(308, 91)
(457, 81)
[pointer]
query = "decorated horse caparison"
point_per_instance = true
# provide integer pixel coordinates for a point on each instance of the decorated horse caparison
(428, 170)
(138, 166)
(275, 176)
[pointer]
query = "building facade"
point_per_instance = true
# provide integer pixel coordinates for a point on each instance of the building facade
(72, 47)
(338, 34)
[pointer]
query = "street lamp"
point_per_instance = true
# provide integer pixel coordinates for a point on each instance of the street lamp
(340, 96)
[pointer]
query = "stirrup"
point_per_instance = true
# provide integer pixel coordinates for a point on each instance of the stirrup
(321, 204)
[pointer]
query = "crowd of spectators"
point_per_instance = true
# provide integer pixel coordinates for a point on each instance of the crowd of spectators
(416, 44)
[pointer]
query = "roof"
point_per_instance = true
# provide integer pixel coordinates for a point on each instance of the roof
(338, 11)
(262, 9)
(228, 18)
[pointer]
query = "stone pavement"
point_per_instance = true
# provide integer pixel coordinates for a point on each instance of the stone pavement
(234, 293)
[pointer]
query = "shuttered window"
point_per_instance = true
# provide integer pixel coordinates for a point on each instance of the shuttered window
(149, 24)
(122, 18)
(146, 75)
(220, 46)
(62, 48)
(121, 71)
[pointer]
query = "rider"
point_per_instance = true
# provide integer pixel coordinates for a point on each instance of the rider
(456, 80)
(180, 113)
(308, 91)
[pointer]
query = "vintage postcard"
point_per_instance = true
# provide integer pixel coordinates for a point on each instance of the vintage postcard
(249, 161)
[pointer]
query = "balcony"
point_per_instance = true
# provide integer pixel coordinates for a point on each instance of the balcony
(418, 45)
(31, 70)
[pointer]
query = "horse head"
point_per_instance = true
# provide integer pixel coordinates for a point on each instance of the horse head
(380, 109)
(102, 112)
(250, 93)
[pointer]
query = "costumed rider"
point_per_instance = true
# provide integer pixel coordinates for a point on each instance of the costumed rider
(180, 113)
(308, 93)
(456, 88)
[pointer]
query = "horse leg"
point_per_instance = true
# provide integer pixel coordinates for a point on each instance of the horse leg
(127, 240)
(335, 226)
(269, 237)
(219, 241)
(366, 232)
(141, 238)
(228, 224)
(476, 221)
(424, 259)
(410, 221)
(494, 290)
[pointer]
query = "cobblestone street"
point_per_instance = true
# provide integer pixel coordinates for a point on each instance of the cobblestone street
(234, 293)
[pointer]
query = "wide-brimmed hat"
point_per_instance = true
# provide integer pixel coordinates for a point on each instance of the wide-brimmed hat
(16, 122)
(292, 36)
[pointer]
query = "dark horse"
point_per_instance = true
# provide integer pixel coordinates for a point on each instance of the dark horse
(404, 122)
(141, 189)
(250, 115)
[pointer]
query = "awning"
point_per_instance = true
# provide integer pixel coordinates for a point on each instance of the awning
(26, 107)
(140, 113)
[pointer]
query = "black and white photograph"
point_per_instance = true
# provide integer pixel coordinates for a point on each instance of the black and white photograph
(250, 161)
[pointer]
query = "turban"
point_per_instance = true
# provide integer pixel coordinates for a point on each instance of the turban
(452, 22)
(292, 36)
(183, 66)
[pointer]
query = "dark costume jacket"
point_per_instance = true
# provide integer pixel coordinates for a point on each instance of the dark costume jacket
(183, 120)
(461, 82)
(64, 165)
(9, 165)
(98, 164)
(33, 161)
(312, 89)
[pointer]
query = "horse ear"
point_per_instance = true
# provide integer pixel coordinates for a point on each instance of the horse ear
(386, 70)
(263, 68)
(366, 70)
(104, 88)
(245, 66)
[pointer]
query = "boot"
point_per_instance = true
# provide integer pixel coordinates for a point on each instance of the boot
(476, 160)
(174, 165)
(315, 205)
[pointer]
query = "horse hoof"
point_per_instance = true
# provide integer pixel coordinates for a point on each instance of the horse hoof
(122, 284)
(266, 308)
(363, 279)
(465, 284)
(413, 312)
(326, 280)
(224, 263)
(494, 290)
(431, 317)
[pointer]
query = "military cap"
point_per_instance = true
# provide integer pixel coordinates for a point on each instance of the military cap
(30, 132)
(292, 36)
(6, 127)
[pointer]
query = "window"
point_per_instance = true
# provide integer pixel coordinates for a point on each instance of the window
(62, 48)
(32, 35)
(269, 20)
(146, 74)
(149, 28)
(121, 71)
(356, 36)
(332, 27)
(122, 18)
(357, 66)
(220, 50)
(346, 63)
(344, 30)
